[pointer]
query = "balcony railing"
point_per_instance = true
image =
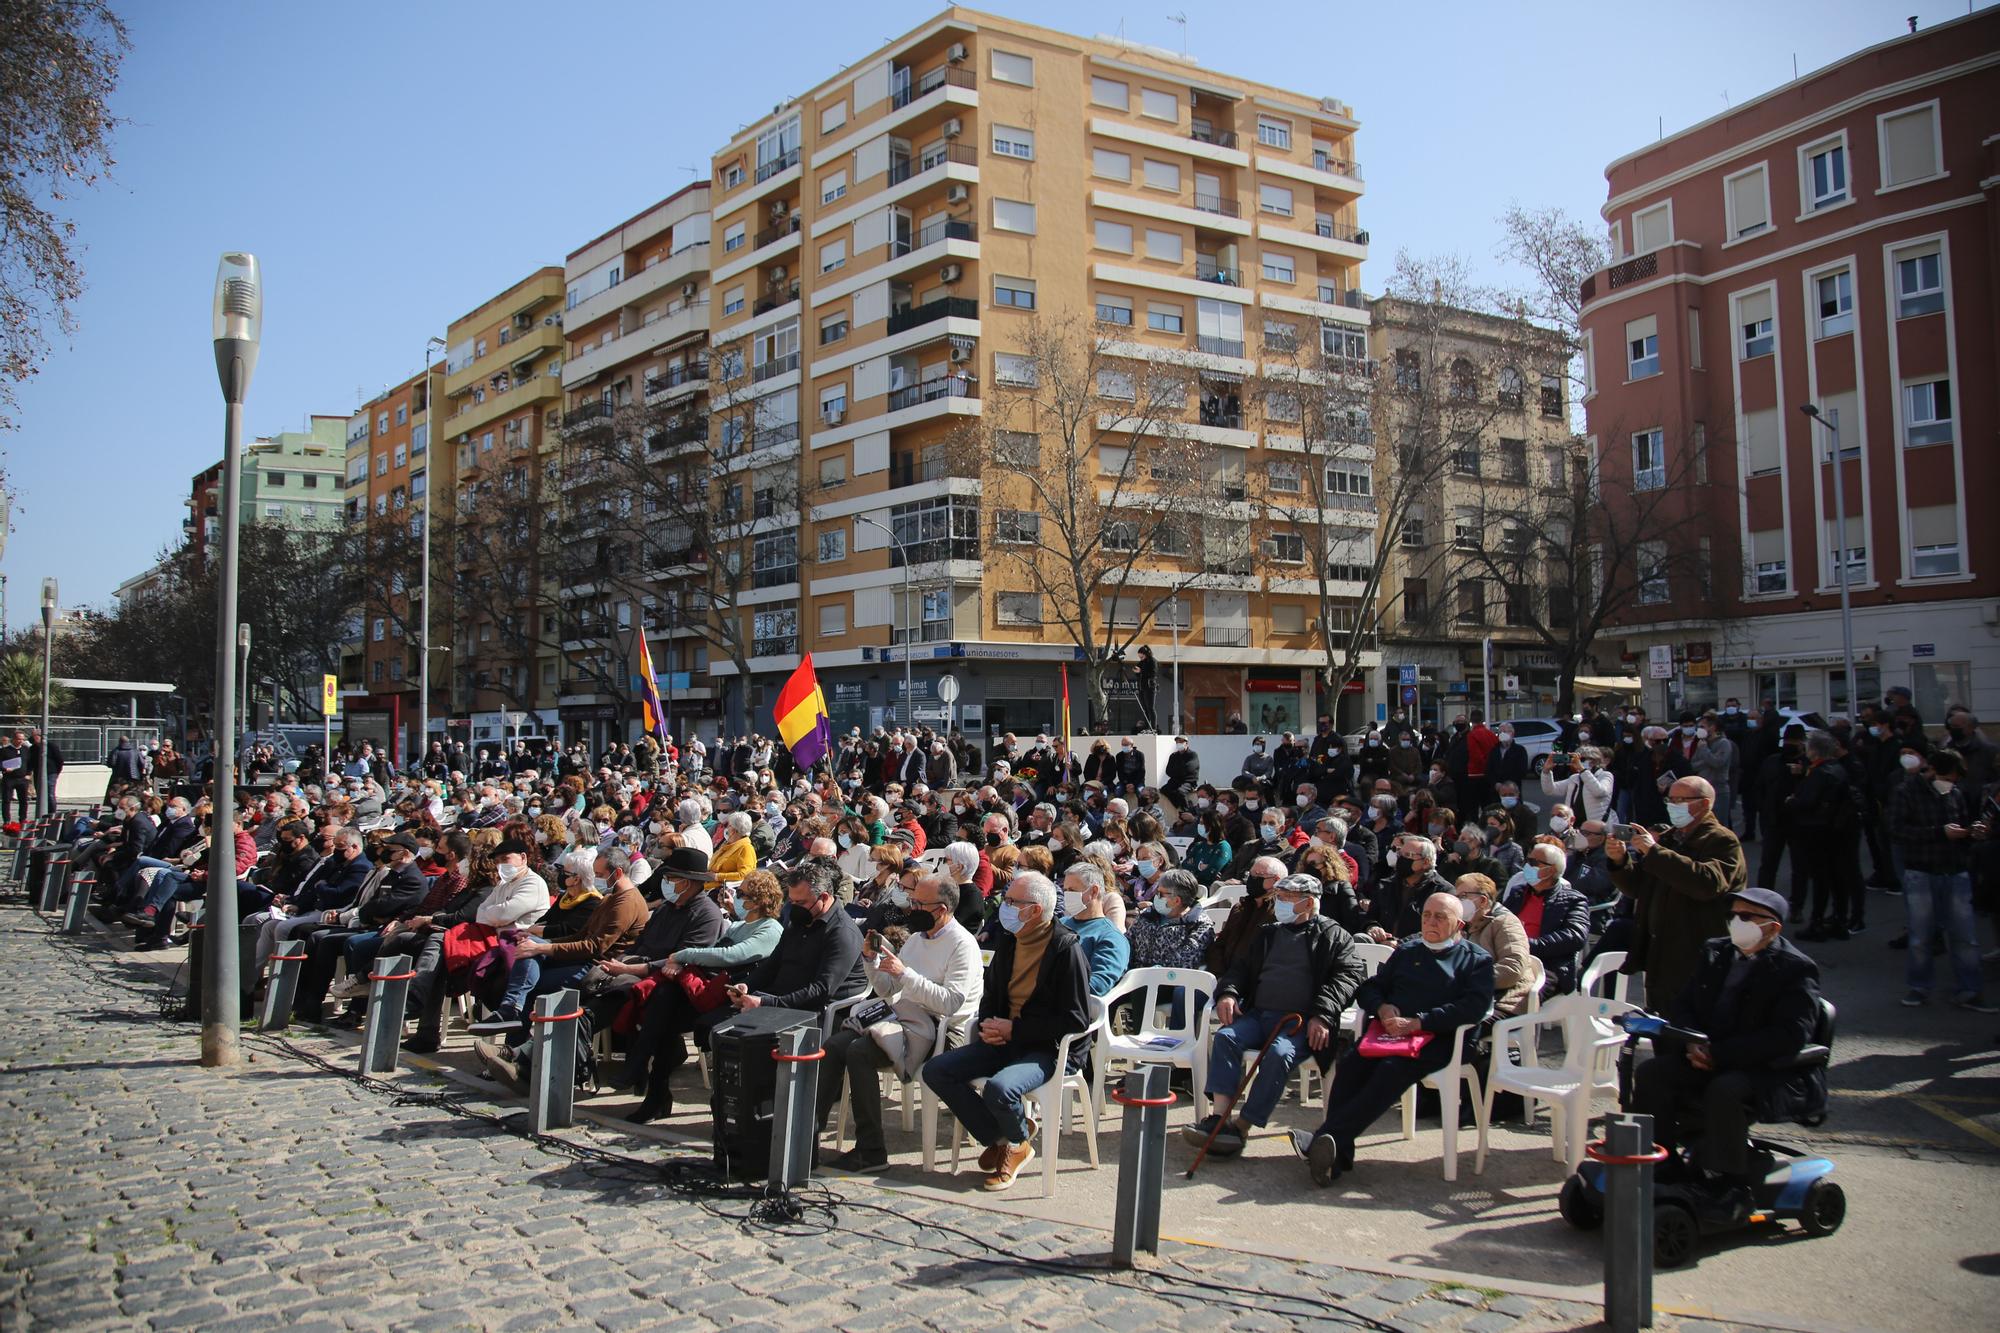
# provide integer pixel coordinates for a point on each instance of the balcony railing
(1336, 166)
(774, 576)
(776, 232)
(589, 412)
(777, 365)
(959, 153)
(1210, 271)
(773, 297)
(1219, 346)
(777, 164)
(1351, 297)
(785, 645)
(675, 437)
(944, 307)
(929, 391)
(1340, 231)
(931, 631)
(929, 82)
(1215, 203)
(675, 376)
(1632, 270)
(1229, 418)
(1220, 138)
(944, 229)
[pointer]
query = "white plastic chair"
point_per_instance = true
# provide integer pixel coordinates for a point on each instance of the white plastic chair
(1184, 1045)
(1217, 916)
(1050, 1104)
(1352, 1022)
(1446, 1082)
(1588, 1070)
(1227, 892)
(1606, 965)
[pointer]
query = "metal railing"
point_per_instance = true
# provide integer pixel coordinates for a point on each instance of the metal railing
(929, 391)
(777, 232)
(789, 158)
(1219, 346)
(959, 153)
(929, 82)
(777, 365)
(1220, 138)
(945, 229)
(944, 307)
(1215, 203)
(1214, 272)
(1340, 231)
(1335, 166)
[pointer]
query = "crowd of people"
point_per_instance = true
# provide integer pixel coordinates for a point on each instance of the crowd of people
(675, 886)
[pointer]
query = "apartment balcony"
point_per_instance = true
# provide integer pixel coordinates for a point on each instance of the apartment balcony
(1208, 270)
(524, 345)
(644, 340)
(1218, 347)
(687, 376)
(782, 162)
(941, 230)
(783, 294)
(953, 76)
(590, 414)
(945, 307)
(472, 416)
(930, 391)
(953, 153)
(678, 268)
(1216, 204)
(1349, 298)
(779, 231)
(1224, 418)
(913, 470)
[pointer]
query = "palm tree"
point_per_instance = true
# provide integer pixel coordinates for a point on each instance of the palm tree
(21, 685)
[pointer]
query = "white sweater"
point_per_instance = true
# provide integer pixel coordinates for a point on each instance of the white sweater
(520, 901)
(942, 978)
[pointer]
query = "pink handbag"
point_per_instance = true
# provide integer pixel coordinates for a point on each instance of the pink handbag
(1377, 1044)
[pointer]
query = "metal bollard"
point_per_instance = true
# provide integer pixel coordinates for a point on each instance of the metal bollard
(388, 992)
(794, 1106)
(552, 1087)
(284, 986)
(1142, 1161)
(53, 882)
(1628, 1154)
(78, 904)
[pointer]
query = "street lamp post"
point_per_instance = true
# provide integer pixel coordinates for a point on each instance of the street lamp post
(909, 696)
(44, 798)
(423, 745)
(1840, 560)
(242, 681)
(238, 323)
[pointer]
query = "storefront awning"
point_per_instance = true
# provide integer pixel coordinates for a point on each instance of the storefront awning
(1610, 684)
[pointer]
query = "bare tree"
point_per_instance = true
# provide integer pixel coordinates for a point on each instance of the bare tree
(1106, 506)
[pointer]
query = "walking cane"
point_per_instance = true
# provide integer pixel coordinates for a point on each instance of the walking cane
(1289, 1023)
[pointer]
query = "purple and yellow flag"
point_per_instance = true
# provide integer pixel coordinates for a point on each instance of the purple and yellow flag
(649, 692)
(801, 717)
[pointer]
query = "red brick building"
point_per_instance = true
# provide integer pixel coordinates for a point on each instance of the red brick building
(1833, 243)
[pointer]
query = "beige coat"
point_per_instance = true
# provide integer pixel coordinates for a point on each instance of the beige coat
(1501, 934)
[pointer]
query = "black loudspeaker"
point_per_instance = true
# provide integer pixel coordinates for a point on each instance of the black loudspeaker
(743, 1079)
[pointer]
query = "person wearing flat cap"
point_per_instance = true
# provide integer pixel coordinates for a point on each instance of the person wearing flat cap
(1756, 996)
(392, 889)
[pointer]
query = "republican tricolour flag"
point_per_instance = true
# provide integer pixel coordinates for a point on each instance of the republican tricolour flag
(649, 692)
(801, 717)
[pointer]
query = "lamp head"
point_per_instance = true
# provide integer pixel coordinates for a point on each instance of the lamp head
(239, 299)
(243, 637)
(49, 595)
(1810, 410)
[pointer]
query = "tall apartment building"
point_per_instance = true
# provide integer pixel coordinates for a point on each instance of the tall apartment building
(204, 502)
(882, 244)
(628, 555)
(500, 421)
(294, 478)
(1830, 244)
(388, 469)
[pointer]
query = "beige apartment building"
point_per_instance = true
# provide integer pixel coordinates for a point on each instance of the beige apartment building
(883, 246)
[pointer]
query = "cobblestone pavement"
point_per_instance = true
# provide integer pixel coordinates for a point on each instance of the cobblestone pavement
(142, 1191)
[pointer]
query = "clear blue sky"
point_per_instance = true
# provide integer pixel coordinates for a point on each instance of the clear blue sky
(379, 159)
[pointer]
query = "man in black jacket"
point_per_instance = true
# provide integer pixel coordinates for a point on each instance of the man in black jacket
(1036, 994)
(1302, 963)
(818, 958)
(1824, 814)
(1399, 899)
(1757, 998)
(1183, 773)
(384, 897)
(1555, 916)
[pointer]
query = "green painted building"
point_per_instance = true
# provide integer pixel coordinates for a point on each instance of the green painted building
(296, 478)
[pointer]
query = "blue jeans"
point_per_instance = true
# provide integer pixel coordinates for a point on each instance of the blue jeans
(1928, 902)
(992, 1114)
(528, 978)
(130, 889)
(1230, 1044)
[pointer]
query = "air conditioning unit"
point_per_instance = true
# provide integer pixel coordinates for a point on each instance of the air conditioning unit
(961, 351)
(956, 194)
(688, 289)
(1268, 548)
(951, 273)
(953, 128)
(833, 416)
(956, 53)
(551, 321)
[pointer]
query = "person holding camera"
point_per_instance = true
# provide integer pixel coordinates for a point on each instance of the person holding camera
(1680, 882)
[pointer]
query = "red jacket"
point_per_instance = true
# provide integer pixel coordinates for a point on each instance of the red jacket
(1479, 743)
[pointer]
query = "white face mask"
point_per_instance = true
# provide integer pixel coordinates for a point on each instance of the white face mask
(1055, 844)
(1439, 946)
(1912, 762)
(1559, 823)
(1072, 903)
(507, 870)
(1744, 934)
(1303, 800)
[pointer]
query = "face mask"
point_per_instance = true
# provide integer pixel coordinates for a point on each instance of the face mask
(1159, 904)
(1678, 814)
(1435, 830)
(1258, 747)
(600, 883)
(1687, 730)
(1506, 738)
(1055, 844)
(1468, 908)
(1392, 856)
(1072, 903)
(1406, 742)
(1559, 823)
(958, 809)
(1439, 946)
(1270, 833)
(1252, 805)
(1374, 742)
(1731, 710)
(742, 910)
(1942, 786)
(1202, 803)
(1744, 934)
(1752, 723)
(1144, 869)
(1010, 918)
(1284, 911)
(1303, 800)
(534, 810)
(1509, 802)
(1912, 762)
(1437, 775)
(508, 870)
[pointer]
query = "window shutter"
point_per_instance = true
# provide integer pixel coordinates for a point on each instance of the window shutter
(1642, 328)
(1934, 525)
(1844, 408)
(1746, 201)
(1768, 546)
(1760, 440)
(1754, 307)
(1910, 150)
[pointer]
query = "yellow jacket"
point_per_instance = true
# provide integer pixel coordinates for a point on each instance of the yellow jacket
(735, 861)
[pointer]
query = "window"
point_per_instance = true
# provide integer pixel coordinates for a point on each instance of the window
(1119, 384)
(832, 545)
(1510, 390)
(1275, 199)
(1278, 267)
(774, 631)
(1011, 141)
(1014, 215)
(833, 469)
(735, 236)
(1652, 229)
(1935, 687)
(1280, 406)
(1019, 371)
(1015, 293)
(1919, 283)
(380, 628)
(1162, 176)
(1753, 320)
(732, 300)
(1113, 460)
(1121, 534)
(833, 328)
(1909, 145)
(381, 423)
(1514, 461)
(1642, 348)
(1927, 412)
(1650, 558)
(833, 186)
(832, 619)
(1159, 104)
(1274, 133)
(1747, 197)
(1555, 467)
(1350, 479)
(1110, 92)
(1287, 548)
(1855, 539)
(278, 511)
(833, 255)
(1017, 608)
(1011, 68)
(1471, 601)
(1833, 296)
(1114, 310)
(1465, 530)
(1825, 174)
(1283, 477)
(1767, 561)
(1111, 165)
(833, 402)
(1107, 235)
(1694, 338)
(1017, 527)
(1779, 687)
(833, 117)
(310, 480)
(1649, 460)
(278, 478)
(1288, 618)
(1163, 245)
(732, 175)
(1165, 318)
(381, 465)
(1414, 533)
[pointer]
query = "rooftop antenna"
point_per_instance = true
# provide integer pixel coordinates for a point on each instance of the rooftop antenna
(1795, 67)
(1913, 23)
(1181, 18)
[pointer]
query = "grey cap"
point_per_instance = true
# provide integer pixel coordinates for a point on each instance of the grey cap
(1765, 900)
(1298, 884)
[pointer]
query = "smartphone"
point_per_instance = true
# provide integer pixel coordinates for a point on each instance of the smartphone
(1622, 832)
(877, 943)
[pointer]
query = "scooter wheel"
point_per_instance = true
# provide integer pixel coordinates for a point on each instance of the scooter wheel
(1675, 1235)
(1825, 1208)
(1579, 1207)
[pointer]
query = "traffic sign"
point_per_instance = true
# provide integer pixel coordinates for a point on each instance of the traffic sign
(947, 689)
(329, 694)
(1406, 674)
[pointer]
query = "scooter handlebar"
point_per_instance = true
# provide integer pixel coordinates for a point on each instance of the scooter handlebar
(1638, 1023)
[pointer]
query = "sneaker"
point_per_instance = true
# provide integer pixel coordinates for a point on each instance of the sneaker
(500, 1020)
(1976, 1004)
(859, 1159)
(1323, 1160)
(1857, 927)
(1916, 999)
(140, 919)
(499, 1062)
(1198, 1132)
(1013, 1157)
(351, 989)
(989, 1161)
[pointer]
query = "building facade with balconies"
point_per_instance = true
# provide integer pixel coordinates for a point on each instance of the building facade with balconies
(1828, 244)
(882, 245)
(295, 478)
(501, 423)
